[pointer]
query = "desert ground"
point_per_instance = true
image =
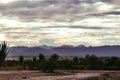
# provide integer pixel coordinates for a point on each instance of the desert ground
(60, 75)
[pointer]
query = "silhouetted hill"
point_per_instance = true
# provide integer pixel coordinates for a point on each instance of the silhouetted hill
(65, 50)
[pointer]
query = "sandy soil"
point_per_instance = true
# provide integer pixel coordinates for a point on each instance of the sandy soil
(67, 77)
(36, 75)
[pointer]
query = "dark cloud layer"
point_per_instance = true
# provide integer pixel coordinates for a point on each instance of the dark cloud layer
(113, 13)
(49, 9)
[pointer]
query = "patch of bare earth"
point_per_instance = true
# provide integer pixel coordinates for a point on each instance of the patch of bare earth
(60, 75)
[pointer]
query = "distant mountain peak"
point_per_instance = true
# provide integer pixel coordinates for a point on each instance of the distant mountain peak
(65, 50)
(47, 47)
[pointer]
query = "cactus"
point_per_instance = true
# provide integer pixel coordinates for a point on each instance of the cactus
(3, 52)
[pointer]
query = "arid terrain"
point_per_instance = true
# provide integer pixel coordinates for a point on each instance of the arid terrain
(60, 75)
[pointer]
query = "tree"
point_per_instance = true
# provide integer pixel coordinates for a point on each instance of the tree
(41, 57)
(68, 64)
(34, 59)
(91, 62)
(54, 57)
(75, 60)
(50, 65)
(34, 63)
(21, 59)
(112, 63)
(3, 52)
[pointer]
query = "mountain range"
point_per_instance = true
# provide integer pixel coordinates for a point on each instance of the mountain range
(65, 50)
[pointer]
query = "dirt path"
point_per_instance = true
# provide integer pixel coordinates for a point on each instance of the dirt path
(66, 77)
(35, 75)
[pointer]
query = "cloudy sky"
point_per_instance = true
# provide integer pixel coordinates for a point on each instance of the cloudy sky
(60, 22)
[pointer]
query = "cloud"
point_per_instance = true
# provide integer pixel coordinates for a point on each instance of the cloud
(52, 9)
(113, 13)
(57, 22)
(79, 27)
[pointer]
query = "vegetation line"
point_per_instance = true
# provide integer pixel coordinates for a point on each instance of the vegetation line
(89, 62)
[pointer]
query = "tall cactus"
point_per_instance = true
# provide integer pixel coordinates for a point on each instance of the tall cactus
(3, 52)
